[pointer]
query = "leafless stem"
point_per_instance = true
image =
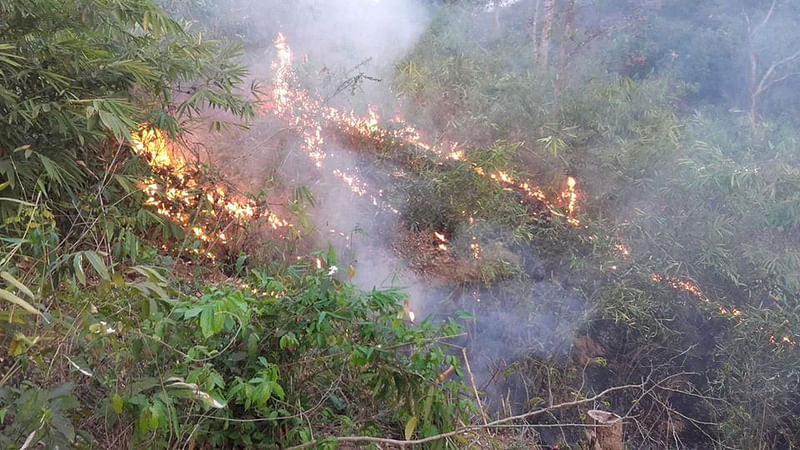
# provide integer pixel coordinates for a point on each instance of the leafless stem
(470, 428)
(474, 389)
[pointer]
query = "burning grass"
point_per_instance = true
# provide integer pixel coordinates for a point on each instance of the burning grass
(191, 198)
(403, 144)
(463, 262)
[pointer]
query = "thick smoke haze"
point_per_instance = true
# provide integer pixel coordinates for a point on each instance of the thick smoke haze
(341, 38)
(334, 40)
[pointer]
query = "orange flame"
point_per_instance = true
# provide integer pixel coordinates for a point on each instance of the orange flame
(570, 196)
(308, 114)
(622, 250)
(475, 247)
(442, 246)
(176, 192)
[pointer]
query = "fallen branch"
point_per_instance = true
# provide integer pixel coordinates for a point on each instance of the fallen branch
(467, 429)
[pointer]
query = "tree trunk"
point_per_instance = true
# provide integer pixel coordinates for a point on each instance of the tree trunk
(543, 53)
(607, 435)
(566, 40)
(535, 29)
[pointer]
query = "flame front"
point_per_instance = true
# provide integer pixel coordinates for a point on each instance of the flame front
(309, 116)
(177, 192)
(442, 239)
(571, 198)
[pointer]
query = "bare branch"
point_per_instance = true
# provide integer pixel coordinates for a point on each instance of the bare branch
(474, 389)
(766, 81)
(467, 429)
(766, 18)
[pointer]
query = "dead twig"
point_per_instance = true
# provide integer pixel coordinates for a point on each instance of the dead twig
(474, 389)
(470, 428)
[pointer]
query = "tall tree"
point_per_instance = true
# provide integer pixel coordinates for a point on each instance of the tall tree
(566, 41)
(543, 45)
(779, 70)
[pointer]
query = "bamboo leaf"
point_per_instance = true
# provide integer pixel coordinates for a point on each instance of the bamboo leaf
(98, 264)
(116, 403)
(77, 264)
(16, 283)
(8, 296)
(411, 426)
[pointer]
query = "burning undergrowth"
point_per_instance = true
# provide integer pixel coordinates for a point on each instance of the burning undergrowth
(209, 214)
(461, 233)
(470, 264)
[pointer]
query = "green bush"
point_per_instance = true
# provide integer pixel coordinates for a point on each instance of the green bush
(248, 365)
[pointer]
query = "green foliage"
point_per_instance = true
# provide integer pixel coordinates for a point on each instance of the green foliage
(702, 197)
(31, 415)
(242, 366)
(442, 199)
(77, 77)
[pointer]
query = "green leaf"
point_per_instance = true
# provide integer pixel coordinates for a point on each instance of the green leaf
(20, 344)
(426, 408)
(278, 390)
(144, 419)
(16, 283)
(8, 296)
(330, 258)
(116, 403)
(15, 200)
(118, 280)
(192, 313)
(113, 124)
(98, 264)
(77, 264)
(155, 417)
(262, 393)
(207, 321)
(219, 322)
(146, 286)
(411, 425)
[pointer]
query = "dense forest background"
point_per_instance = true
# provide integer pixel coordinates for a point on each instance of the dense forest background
(558, 224)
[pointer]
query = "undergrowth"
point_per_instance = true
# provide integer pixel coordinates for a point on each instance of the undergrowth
(143, 359)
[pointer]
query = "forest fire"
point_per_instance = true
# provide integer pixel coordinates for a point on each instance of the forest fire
(680, 285)
(785, 340)
(428, 223)
(183, 194)
(442, 241)
(310, 116)
(694, 290)
(571, 198)
(457, 155)
(475, 247)
(622, 250)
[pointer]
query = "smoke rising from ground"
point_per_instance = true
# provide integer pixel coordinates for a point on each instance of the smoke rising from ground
(648, 104)
(334, 40)
(340, 38)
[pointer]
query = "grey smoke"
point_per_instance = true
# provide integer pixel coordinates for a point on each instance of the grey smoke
(331, 38)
